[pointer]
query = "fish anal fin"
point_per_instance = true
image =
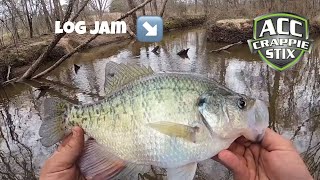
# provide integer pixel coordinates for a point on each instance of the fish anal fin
(186, 172)
(176, 130)
(97, 163)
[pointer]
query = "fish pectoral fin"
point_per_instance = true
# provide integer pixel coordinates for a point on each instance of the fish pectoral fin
(96, 163)
(186, 172)
(176, 130)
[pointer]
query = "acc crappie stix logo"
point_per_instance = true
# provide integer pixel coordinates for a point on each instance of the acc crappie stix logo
(280, 39)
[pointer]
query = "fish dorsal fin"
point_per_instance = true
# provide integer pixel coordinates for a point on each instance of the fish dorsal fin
(176, 130)
(97, 163)
(118, 75)
(186, 172)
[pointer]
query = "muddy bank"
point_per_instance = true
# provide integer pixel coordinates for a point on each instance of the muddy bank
(172, 23)
(235, 30)
(230, 30)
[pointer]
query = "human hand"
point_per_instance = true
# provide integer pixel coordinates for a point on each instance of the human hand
(62, 164)
(274, 158)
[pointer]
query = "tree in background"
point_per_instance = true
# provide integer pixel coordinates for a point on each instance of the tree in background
(100, 6)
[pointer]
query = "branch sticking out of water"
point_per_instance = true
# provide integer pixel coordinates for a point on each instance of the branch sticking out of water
(226, 47)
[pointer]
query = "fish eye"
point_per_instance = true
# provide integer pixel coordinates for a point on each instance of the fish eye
(201, 101)
(241, 103)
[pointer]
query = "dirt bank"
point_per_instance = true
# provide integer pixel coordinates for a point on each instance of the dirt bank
(235, 30)
(172, 23)
(229, 30)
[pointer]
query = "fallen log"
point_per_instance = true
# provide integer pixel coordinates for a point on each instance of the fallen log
(32, 69)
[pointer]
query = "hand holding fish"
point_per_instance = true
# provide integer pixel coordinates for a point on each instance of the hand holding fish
(62, 164)
(274, 158)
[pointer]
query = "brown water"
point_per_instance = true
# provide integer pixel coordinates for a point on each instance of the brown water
(293, 95)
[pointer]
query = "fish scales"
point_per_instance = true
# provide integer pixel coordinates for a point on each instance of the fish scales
(169, 120)
(161, 97)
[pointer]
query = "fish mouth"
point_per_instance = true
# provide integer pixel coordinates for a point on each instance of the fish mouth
(258, 122)
(259, 138)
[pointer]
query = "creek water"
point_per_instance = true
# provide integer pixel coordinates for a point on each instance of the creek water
(293, 95)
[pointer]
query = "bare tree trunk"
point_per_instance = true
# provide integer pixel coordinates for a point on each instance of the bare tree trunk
(28, 74)
(56, 10)
(143, 9)
(76, 6)
(87, 42)
(154, 3)
(15, 10)
(83, 13)
(51, 10)
(15, 34)
(29, 18)
(196, 4)
(206, 4)
(60, 9)
(151, 9)
(133, 16)
(163, 8)
(46, 15)
(5, 24)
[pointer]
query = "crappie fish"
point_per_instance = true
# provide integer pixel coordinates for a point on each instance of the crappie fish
(168, 120)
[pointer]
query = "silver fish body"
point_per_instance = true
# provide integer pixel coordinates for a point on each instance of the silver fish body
(122, 122)
(169, 120)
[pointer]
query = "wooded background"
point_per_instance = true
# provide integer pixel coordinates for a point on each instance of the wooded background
(21, 19)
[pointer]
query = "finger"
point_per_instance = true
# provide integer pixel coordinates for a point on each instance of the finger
(273, 141)
(251, 162)
(255, 150)
(243, 141)
(71, 148)
(237, 148)
(232, 162)
(64, 142)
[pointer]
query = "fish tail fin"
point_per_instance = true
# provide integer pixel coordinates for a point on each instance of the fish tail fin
(53, 125)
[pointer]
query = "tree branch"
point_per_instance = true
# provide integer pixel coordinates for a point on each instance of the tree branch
(55, 65)
(226, 47)
(28, 74)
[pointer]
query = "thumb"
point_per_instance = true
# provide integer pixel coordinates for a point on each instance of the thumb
(274, 141)
(70, 149)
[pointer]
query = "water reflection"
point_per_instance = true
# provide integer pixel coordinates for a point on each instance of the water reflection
(293, 95)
